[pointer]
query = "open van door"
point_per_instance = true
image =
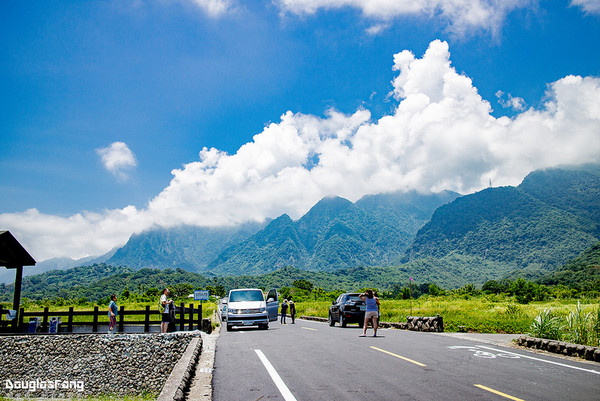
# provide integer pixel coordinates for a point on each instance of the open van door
(272, 305)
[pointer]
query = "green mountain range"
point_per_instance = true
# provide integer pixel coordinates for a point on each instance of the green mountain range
(335, 234)
(546, 228)
(187, 247)
(581, 273)
(553, 216)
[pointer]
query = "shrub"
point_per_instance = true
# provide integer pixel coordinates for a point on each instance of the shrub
(546, 325)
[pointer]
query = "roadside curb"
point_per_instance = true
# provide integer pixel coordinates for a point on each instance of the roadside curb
(180, 377)
(561, 347)
(200, 387)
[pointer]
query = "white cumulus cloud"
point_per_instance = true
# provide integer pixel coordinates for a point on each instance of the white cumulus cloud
(462, 16)
(440, 136)
(213, 8)
(117, 158)
(510, 101)
(589, 6)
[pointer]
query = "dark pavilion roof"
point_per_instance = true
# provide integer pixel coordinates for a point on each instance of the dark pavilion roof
(12, 253)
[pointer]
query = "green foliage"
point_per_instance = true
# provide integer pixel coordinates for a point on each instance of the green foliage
(513, 310)
(181, 290)
(523, 290)
(436, 290)
(496, 287)
(579, 325)
(546, 325)
(303, 284)
(581, 273)
(467, 289)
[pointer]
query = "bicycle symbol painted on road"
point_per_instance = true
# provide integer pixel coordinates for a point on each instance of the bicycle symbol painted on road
(485, 354)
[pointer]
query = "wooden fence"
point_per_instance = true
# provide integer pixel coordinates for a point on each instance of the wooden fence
(189, 317)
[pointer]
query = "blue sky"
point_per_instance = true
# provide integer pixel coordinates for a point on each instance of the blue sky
(118, 116)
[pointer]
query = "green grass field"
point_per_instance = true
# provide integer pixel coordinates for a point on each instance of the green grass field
(484, 314)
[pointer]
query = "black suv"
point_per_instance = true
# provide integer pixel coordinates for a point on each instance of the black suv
(347, 308)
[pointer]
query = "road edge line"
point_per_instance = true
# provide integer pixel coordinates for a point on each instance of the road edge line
(283, 389)
(542, 360)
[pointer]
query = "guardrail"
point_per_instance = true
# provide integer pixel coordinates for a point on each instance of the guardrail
(184, 316)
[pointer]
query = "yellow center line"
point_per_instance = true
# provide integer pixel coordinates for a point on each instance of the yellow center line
(308, 328)
(491, 390)
(398, 356)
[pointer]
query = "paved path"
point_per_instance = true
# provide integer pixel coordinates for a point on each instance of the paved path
(201, 385)
(310, 360)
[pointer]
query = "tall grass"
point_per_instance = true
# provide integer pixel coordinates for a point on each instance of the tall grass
(546, 325)
(579, 325)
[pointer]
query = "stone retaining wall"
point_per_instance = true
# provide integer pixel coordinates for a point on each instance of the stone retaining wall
(62, 366)
(419, 323)
(561, 347)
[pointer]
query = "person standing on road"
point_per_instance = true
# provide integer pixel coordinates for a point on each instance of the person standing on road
(165, 305)
(284, 308)
(372, 311)
(292, 310)
(112, 314)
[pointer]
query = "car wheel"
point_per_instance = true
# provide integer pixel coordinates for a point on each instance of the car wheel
(331, 321)
(343, 321)
(361, 324)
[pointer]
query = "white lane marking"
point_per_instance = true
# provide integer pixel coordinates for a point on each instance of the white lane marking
(285, 392)
(308, 328)
(484, 354)
(542, 360)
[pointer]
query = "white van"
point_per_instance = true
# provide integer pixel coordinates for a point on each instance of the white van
(248, 307)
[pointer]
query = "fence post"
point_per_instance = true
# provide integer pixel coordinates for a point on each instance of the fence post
(200, 316)
(2, 312)
(191, 319)
(45, 320)
(147, 320)
(182, 317)
(19, 321)
(70, 320)
(121, 317)
(95, 320)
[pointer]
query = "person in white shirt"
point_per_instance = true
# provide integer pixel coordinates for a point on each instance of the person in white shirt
(165, 304)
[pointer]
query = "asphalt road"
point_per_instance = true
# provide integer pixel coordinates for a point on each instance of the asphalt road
(312, 361)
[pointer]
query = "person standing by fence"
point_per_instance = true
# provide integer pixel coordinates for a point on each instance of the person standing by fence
(112, 314)
(165, 305)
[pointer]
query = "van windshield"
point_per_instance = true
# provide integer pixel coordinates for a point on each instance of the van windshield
(247, 295)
